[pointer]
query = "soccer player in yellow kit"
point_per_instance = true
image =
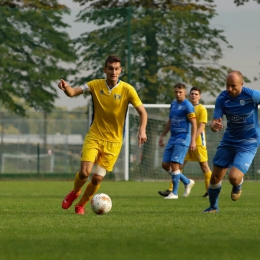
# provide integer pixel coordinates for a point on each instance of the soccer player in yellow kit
(199, 155)
(103, 142)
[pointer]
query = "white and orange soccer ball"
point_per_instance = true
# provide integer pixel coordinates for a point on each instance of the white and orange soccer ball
(101, 203)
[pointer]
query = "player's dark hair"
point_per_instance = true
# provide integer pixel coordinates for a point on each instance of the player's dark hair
(111, 59)
(180, 85)
(196, 89)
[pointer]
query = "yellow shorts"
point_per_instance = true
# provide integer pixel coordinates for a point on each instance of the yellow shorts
(100, 152)
(199, 155)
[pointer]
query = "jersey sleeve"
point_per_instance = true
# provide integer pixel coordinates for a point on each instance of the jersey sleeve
(85, 88)
(218, 111)
(134, 98)
(190, 111)
(256, 96)
(191, 115)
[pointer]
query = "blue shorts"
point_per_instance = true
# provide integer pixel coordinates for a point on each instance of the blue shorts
(230, 156)
(175, 153)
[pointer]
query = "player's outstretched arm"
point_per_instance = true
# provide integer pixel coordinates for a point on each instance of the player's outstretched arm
(68, 90)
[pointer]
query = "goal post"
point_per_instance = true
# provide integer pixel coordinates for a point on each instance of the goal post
(144, 163)
(127, 136)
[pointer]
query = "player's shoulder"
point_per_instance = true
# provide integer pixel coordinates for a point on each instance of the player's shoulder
(187, 103)
(126, 85)
(249, 91)
(200, 108)
(223, 96)
(97, 82)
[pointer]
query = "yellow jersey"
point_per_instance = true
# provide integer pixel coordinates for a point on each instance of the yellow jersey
(201, 117)
(109, 108)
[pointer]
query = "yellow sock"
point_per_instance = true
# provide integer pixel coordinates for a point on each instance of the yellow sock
(171, 186)
(207, 176)
(91, 189)
(78, 183)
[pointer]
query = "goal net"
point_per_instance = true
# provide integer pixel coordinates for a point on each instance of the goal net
(27, 163)
(144, 163)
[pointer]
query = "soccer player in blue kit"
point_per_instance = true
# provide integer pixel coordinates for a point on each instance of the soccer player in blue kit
(182, 124)
(241, 138)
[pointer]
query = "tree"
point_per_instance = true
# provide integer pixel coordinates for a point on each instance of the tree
(163, 43)
(33, 50)
(242, 2)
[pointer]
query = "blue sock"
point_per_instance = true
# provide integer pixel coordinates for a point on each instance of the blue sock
(175, 181)
(184, 179)
(213, 197)
(237, 188)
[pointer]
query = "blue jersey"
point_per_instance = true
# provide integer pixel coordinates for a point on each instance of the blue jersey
(180, 113)
(242, 118)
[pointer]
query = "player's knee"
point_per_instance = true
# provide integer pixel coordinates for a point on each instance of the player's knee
(84, 173)
(96, 179)
(214, 179)
(204, 167)
(99, 175)
(235, 176)
(166, 166)
(235, 180)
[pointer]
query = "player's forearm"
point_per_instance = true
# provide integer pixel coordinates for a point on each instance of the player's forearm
(71, 92)
(68, 90)
(143, 118)
(193, 130)
(193, 135)
(143, 122)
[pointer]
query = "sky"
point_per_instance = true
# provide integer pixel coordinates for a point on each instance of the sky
(241, 29)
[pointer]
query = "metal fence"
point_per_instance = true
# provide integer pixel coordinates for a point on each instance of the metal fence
(49, 146)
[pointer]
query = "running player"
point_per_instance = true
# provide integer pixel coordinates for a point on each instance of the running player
(182, 124)
(199, 155)
(241, 138)
(103, 142)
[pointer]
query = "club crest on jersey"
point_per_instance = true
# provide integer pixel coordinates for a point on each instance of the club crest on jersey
(101, 92)
(242, 102)
(117, 97)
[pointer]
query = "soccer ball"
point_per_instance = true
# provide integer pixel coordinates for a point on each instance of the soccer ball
(101, 203)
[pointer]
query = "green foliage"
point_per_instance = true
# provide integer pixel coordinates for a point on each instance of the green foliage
(160, 46)
(37, 4)
(33, 46)
(242, 2)
(141, 225)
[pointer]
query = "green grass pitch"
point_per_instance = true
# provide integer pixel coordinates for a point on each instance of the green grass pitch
(141, 225)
